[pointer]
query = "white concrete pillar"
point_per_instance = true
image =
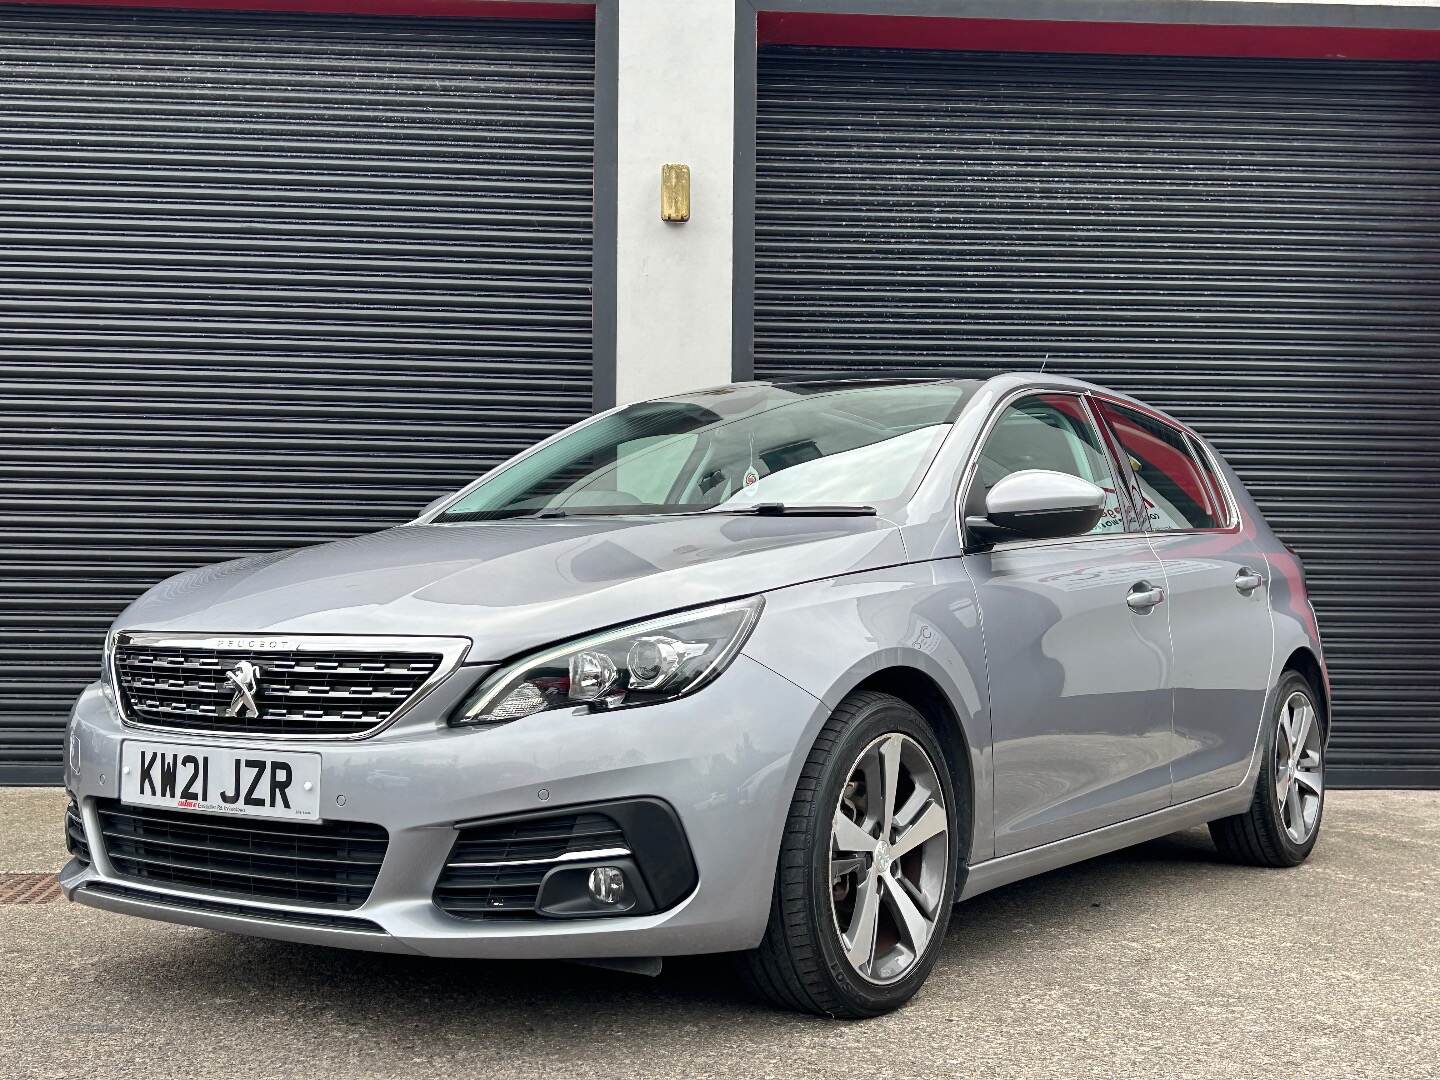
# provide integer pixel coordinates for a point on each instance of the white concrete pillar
(675, 103)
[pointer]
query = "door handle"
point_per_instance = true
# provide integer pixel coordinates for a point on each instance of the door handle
(1143, 597)
(1247, 581)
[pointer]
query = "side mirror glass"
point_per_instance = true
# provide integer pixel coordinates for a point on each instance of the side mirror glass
(1039, 504)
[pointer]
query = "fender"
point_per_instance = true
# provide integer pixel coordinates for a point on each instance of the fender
(921, 616)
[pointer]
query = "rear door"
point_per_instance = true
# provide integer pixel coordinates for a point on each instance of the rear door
(1218, 605)
(1079, 679)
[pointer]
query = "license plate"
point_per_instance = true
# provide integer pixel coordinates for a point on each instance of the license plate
(214, 780)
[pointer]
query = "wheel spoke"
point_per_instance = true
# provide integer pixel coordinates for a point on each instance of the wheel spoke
(860, 941)
(1312, 779)
(929, 824)
(1282, 789)
(927, 907)
(890, 763)
(850, 864)
(920, 797)
(1292, 725)
(849, 836)
(1294, 814)
(1302, 731)
(914, 926)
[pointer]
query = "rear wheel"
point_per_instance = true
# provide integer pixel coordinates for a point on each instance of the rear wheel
(1283, 821)
(867, 867)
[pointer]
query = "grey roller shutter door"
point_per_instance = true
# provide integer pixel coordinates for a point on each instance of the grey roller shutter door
(1252, 245)
(265, 280)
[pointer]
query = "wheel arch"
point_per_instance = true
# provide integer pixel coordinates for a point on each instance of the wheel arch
(1304, 662)
(927, 697)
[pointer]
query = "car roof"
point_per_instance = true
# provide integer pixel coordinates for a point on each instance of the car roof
(1005, 380)
(1001, 382)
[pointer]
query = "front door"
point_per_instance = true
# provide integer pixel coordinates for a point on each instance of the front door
(1077, 648)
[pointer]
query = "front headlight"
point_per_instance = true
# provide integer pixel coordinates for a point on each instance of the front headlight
(107, 667)
(645, 664)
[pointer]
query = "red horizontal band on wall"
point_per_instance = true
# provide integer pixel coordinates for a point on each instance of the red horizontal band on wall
(457, 9)
(1151, 39)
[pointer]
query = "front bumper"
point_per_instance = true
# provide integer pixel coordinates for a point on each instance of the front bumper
(726, 761)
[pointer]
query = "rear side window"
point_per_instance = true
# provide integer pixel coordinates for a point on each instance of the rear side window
(1178, 491)
(1047, 431)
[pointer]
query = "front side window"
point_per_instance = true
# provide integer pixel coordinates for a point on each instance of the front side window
(1176, 492)
(731, 447)
(1047, 431)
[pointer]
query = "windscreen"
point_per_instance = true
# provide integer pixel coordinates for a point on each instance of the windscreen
(734, 446)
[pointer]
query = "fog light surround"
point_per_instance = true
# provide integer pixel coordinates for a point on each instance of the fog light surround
(608, 886)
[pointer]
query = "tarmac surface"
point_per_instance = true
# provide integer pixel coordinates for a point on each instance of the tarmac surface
(1159, 961)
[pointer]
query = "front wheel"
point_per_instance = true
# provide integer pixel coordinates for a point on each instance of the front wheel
(1283, 821)
(867, 868)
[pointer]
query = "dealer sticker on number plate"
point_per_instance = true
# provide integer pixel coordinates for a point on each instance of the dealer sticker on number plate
(215, 780)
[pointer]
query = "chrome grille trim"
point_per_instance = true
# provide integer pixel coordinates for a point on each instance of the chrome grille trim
(174, 682)
(569, 856)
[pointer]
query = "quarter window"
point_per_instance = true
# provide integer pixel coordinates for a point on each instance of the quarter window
(1047, 431)
(1176, 489)
(1215, 486)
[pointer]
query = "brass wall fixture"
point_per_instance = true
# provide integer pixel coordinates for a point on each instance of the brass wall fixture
(674, 192)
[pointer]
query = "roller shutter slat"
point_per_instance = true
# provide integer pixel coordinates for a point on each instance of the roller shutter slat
(1250, 244)
(267, 280)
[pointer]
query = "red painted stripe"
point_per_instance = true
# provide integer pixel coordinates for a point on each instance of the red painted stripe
(1153, 39)
(457, 9)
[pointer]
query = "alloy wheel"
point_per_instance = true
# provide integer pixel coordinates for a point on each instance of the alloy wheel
(889, 855)
(1299, 768)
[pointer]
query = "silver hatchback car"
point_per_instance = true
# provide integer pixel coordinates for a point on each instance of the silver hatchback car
(778, 669)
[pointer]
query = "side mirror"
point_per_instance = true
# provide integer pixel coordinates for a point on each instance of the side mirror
(1038, 504)
(433, 504)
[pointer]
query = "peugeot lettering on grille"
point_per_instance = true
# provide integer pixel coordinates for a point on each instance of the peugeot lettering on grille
(245, 675)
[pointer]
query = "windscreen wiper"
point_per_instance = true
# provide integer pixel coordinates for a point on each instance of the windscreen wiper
(597, 511)
(778, 509)
(766, 509)
(637, 510)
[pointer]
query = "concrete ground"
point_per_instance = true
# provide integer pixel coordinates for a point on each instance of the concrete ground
(1160, 961)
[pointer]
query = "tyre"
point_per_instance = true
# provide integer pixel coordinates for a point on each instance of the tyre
(1283, 821)
(867, 869)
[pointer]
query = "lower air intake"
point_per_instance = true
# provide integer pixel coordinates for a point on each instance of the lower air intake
(333, 864)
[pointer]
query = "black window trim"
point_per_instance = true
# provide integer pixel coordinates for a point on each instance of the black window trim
(1128, 489)
(1197, 449)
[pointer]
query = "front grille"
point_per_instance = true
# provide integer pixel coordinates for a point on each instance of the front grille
(496, 870)
(333, 864)
(75, 842)
(300, 692)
